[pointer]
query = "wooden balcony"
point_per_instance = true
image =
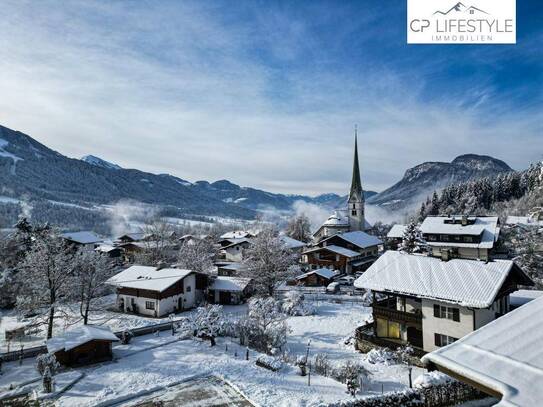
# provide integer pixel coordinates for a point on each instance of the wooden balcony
(382, 309)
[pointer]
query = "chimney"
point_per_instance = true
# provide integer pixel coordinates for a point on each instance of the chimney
(160, 265)
(464, 220)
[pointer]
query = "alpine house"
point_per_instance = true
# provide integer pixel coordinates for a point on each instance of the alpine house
(430, 303)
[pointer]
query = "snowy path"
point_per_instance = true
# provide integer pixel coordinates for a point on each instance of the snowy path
(173, 362)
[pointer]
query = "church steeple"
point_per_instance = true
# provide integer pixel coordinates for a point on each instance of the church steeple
(357, 193)
(355, 208)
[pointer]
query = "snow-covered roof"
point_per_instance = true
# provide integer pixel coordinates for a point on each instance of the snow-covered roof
(83, 237)
(484, 226)
(78, 336)
(291, 243)
(470, 283)
(396, 232)
(358, 238)
(335, 249)
(340, 219)
(11, 324)
(148, 278)
(231, 266)
(521, 297)
(237, 234)
(226, 283)
(237, 242)
(135, 236)
(505, 356)
(105, 248)
(336, 219)
(524, 221)
(323, 272)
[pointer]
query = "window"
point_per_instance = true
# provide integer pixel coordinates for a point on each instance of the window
(441, 311)
(353, 212)
(468, 239)
(432, 238)
(443, 340)
(444, 238)
(388, 329)
(150, 305)
(189, 288)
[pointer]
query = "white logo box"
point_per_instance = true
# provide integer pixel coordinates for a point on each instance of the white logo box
(461, 22)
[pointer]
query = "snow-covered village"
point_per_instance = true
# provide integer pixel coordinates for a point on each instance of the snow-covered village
(373, 235)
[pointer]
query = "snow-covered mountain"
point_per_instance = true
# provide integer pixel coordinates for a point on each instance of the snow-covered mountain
(31, 170)
(421, 180)
(97, 161)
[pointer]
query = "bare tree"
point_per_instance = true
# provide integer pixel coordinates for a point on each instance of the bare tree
(268, 262)
(197, 255)
(91, 271)
(44, 275)
(157, 245)
(299, 228)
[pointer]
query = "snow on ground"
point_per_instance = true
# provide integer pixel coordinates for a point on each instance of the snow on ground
(184, 359)
(104, 315)
(328, 330)
(151, 362)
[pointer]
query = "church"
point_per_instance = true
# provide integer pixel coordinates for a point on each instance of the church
(341, 243)
(352, 218)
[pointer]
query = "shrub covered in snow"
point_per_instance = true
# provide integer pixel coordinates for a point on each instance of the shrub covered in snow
(381, 356)
(405, 398)
(322, 364)
(47, 361)
(295, 305)
(432, 379)
(207, 322)
(269, 362)
(348, 371)
(265, 327)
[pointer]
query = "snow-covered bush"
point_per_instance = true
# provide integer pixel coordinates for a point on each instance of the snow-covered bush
(206, 322)
(301, 362)
(47, 361)
(381, 356)
(347, 371)
(321, 364)
(295, 305)
(404, 354)
(269, 362)
(126, 337)
(432, 379)
(264, 328)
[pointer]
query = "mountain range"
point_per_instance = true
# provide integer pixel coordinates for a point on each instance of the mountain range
(420, 181)
(31, 170)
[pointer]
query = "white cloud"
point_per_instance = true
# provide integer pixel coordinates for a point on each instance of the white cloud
(182, 88)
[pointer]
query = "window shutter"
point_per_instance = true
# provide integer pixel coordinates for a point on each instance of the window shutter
(437, 340)
(436, 311)
(456, 314)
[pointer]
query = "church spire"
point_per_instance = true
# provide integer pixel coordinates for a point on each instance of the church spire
(356, 193)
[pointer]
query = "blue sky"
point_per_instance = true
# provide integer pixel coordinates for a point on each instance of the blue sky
(265, 93)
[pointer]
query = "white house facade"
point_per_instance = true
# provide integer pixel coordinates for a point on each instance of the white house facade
(157, 292)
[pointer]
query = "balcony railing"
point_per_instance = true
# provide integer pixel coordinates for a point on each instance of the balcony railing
(381, 309)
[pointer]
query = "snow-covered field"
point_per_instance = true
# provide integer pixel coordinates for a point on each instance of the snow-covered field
(150, 363)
